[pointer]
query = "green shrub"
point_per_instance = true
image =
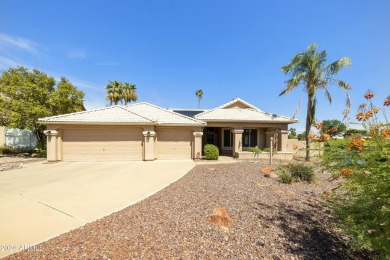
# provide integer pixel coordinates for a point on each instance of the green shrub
(285, 176)
(42, 153)
(355, 131)
(211, 152)
(5, 150)
(295, 171)
(256, 150)
(267, 150)
(340, 143)
(362, 201)
(15, 150)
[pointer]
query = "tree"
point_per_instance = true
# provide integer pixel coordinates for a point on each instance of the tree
(302, 137)
(199, 94)
(114, 92)
(293, 133)
(27, 95)
(129, 93)
(333, 127)
(308, 69)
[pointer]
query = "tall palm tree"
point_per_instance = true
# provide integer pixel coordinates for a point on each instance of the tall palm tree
(114, 92)
(199, 94)
(308, 69)
(129, 93)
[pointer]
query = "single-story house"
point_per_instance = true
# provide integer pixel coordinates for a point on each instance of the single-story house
(143, 131)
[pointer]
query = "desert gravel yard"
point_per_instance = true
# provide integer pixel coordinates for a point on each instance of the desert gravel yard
(270, 220)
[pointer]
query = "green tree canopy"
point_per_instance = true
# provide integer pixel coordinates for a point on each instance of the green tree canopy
(293, 131)
(333, 127)
(28, 95)
(308, 68)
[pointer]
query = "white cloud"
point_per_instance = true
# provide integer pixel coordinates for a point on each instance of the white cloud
(8, 41)
(77, 54)
(6, 63)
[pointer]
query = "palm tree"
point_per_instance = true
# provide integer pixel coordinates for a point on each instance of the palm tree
(114, 92)
(308, 69)
(199, 94)
(129, 93)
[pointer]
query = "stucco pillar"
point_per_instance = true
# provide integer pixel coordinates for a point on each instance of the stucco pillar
(283, 140)
(149, 143)
(197, 152)
(268, 135)
(237, 141)
(52, 135)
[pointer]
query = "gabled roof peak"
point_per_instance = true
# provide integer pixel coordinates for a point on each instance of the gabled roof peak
(238, 103)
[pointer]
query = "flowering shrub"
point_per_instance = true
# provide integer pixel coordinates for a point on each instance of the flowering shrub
(363, 198)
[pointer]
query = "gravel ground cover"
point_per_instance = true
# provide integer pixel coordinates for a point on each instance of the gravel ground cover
(15, 162)
(278, 221)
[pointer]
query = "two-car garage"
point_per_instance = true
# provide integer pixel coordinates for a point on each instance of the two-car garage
(123, 144)
(139, 131)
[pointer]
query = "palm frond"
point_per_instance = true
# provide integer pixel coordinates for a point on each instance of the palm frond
(327, 94)
(336, 66)
(293, 83)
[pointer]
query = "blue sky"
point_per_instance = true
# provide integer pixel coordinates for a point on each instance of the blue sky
(229, 49)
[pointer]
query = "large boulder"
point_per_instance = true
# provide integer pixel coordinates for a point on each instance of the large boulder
(221, 217)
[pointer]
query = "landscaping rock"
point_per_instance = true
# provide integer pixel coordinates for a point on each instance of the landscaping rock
(172, 224)
(221, 217)
(267, 170)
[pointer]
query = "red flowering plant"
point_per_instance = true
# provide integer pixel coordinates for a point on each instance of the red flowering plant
(363, 163)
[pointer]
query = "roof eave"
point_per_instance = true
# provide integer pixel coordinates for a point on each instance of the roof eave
(254, 121)
(95, 123)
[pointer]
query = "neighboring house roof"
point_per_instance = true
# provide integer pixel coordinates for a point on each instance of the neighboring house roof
(139, 113)
(238, 110)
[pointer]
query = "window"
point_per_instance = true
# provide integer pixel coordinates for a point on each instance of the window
(227, 138)
(249, 138)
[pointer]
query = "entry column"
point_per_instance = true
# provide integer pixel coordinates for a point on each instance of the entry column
(51, 145)
(269, 134)
(237, 141)
(149, 141)
(197, 152)
(283, 140)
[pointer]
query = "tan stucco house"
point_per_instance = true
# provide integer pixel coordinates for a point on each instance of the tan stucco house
(143, 131)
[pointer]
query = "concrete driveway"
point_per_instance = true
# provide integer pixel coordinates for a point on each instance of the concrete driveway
(42, 201)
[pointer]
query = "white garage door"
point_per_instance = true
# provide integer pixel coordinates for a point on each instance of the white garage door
(106, 144)
(174, 143)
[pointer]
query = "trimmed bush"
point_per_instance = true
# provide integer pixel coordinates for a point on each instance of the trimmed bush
(16, 150)
(294, 171)
(211, 152)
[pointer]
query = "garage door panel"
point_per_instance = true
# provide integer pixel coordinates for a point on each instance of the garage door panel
(174, 144)
(102, 144)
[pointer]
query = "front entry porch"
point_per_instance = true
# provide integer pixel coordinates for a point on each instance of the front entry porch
(231, 140)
